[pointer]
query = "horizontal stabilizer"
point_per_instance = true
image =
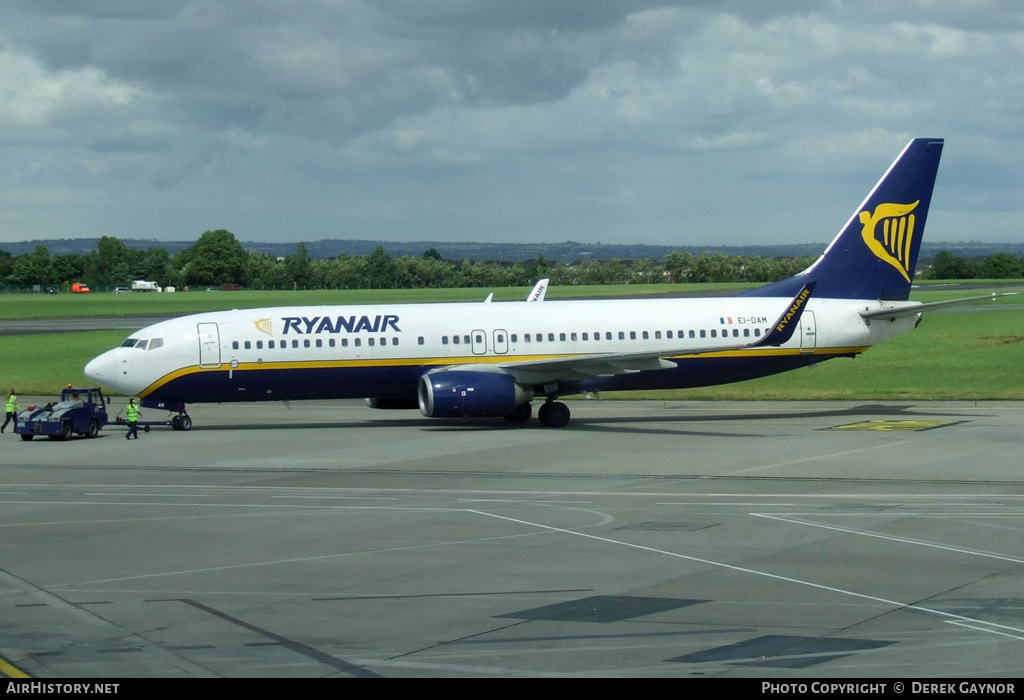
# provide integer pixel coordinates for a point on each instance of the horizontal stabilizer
(910, 308)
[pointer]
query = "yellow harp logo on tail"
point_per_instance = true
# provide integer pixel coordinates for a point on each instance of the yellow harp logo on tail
(891, 242)
(264, 325)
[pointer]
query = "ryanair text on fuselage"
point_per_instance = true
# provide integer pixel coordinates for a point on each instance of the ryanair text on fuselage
(303, 325)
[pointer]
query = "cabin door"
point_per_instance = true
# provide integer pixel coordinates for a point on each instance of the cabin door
(209, 345)
(808, 332)
(479, 342)
(500, 342)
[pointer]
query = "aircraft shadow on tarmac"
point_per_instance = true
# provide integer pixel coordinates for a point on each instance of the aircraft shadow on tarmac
(630, 424)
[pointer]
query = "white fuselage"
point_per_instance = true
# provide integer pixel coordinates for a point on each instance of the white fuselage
(381, 350)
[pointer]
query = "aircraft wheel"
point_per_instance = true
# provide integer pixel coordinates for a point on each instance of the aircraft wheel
(554, 415)
(65, 430)
(26, 437)
(176, 423)
(185, 422)
(145, 428)
(94, 428)
(520, 414)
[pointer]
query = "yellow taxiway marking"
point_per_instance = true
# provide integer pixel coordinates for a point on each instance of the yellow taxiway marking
(9, 671)
(896, 425)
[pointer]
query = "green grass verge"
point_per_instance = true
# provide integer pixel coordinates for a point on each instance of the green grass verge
(21, 306)
(44, 364)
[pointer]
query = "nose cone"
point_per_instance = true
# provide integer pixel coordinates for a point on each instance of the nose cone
(101, 369)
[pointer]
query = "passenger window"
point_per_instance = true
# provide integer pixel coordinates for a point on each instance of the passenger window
(394, 341)
(561, 336)
(358, 342)
(632, 335)
(369, 341)
(330, 342)
(344, 342)
(646, 335)
(234, 345)
(305, 343)
(420, 340)
(259, 344)
(703, 334)
(551, 337)
(622, 335)
(319, 343)
(248, 345)
(455, 339)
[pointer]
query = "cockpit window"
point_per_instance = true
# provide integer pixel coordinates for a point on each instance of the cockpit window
(143, 343)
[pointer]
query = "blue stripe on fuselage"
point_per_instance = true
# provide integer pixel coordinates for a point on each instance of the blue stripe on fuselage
(277, 384)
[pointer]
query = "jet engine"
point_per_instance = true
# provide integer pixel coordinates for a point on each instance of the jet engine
(461, 393)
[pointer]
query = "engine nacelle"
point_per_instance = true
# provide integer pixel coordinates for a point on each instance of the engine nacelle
(460, 393)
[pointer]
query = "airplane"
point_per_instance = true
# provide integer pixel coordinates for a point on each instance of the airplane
(465, 360)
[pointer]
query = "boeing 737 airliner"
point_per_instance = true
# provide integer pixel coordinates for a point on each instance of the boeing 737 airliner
(466, 360)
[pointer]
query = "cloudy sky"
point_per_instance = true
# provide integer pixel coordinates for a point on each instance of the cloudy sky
(664, 122)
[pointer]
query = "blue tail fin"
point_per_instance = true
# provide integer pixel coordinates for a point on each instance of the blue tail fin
(873, 257)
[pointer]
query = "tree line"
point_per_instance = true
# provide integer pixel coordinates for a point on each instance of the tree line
(218, 258)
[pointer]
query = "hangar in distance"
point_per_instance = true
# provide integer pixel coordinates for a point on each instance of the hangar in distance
(495, 359)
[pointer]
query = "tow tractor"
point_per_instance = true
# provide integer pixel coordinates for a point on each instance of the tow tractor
(79, 411)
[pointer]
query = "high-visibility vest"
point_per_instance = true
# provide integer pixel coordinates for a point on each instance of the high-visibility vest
(133, 413)
(12, 403)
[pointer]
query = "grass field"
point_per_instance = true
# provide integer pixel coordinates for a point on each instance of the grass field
(972, 354)
(21, 306)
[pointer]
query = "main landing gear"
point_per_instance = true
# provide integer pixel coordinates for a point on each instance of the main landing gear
(553, 414)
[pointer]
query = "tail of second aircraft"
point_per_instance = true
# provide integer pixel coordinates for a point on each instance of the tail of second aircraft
(874, 255)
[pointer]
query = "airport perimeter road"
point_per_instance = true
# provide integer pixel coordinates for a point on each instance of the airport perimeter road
(684, 539)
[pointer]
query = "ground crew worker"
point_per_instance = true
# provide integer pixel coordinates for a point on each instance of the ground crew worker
(12, 411)
(133, 420)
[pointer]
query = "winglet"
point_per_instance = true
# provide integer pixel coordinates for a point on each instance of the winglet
(782, 330)
(538, 291)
